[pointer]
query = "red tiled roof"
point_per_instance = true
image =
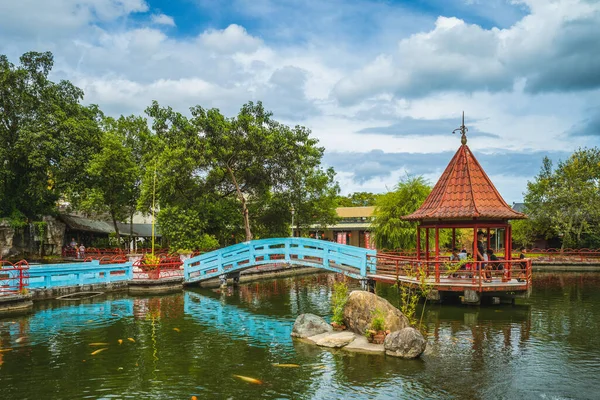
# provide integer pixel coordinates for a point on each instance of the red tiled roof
(464, 191)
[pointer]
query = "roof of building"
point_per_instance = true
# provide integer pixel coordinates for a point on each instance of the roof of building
(464, 191)
(519, 207)
(80, 223)
(355, 212)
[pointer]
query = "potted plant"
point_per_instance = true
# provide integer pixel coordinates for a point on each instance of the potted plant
(376, 334)
(150, 264)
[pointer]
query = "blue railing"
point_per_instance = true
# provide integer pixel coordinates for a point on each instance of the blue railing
(335, 257)
(85, 273)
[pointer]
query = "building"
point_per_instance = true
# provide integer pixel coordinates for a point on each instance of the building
(353, 227)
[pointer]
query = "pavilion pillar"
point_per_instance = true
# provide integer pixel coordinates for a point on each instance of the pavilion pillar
(418, 242)
(427, 244)
(475, 264)
(509, 247)
(437, 254)
(453, 238)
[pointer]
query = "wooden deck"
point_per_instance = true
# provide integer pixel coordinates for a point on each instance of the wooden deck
(446, 284)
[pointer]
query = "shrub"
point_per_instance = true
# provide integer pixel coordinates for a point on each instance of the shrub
(339, 297)
(378, 320)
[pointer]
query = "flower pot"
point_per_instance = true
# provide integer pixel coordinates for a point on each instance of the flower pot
(379, 337)
(153, 273)
(338, 327)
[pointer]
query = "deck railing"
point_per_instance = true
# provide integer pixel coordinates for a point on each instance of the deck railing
(475, 273)
(14, 278)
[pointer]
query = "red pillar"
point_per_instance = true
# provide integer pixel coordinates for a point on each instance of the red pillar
(418, 242)
(427, 244)
(475, 247)
(437, 254)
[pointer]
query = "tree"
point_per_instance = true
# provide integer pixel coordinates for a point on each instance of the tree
(389, 230)
(46, 136)
(566, 201)
(358, 199)
(112, 174)
(314, 197)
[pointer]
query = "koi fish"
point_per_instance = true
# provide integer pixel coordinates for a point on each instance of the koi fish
(286, 365)
(194, 398)
(177, 329)
(89, 321)
(248, 379)
(131, 340)
(319, 367)
(5, 350)
(21, 339)
(99, 351)
(99, 344)
(120, 341)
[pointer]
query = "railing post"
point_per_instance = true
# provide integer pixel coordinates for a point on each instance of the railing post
(287, 249)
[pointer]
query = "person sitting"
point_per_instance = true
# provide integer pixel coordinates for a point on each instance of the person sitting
(463, 255)
(454, 258)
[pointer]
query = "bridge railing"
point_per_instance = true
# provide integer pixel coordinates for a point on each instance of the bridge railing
(301, 251)
(85, 273)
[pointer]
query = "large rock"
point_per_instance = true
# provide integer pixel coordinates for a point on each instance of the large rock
(360, 307)
(405, 343)
(310, 325)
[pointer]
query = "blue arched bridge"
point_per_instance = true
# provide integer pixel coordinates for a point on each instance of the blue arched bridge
(349, 260)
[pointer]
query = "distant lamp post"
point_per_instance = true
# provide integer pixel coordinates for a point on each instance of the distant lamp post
(293, 212)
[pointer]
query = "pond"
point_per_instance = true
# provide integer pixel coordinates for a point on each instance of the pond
(204, 343)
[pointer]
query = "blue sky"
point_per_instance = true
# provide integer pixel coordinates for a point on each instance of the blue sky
(382, 84)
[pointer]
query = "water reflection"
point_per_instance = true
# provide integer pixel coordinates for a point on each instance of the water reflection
(192, 343)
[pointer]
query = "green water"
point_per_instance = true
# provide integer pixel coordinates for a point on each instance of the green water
(193, 343)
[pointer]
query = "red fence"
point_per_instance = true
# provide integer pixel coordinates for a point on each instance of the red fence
(14, 278)
(167, 267)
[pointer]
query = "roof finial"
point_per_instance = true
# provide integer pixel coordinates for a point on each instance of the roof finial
(463, 130)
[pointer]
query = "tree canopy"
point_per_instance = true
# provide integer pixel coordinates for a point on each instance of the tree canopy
(47, 137)
(390, 231)
(564, 202)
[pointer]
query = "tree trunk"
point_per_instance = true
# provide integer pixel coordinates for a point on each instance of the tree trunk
(114, 220)
(244, 206)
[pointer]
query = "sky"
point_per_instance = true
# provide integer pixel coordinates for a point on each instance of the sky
(381, 84)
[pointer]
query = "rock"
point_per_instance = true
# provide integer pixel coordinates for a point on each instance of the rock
(335, 340)
(310, 325)
(405, 343)
(361, 344)
(360, 307)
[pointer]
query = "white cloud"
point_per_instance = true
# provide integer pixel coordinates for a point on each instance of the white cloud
(311, 66)
(554, 48)
(162, 19)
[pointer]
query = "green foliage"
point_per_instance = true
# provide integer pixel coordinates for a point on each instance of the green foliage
(358, 199)
(390, 231)
(339, 297)
(378, 320)
(565, 201)
(184, 228)
(46, 136)
(17, 220)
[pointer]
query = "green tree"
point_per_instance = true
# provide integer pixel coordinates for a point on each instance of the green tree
(46, 136)
(113, 174)
(391, 232)
(358, 199)
(566, 201)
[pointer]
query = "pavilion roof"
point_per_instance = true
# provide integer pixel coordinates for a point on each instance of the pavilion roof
(464, 192)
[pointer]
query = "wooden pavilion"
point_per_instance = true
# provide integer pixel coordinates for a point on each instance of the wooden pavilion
(465, 198)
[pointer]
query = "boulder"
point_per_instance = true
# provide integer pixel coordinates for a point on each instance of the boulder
(335, 340)
(360, 307)
(405, 343)
(310, 325)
